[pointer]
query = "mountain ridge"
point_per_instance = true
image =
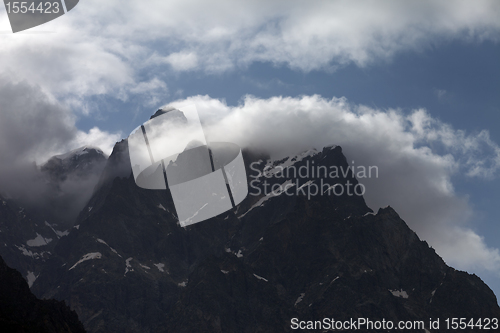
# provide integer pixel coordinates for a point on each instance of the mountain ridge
(21, 312)
(31, 225)
(249, 269)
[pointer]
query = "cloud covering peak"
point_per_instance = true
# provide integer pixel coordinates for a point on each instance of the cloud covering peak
(416, 156)
(34, 127)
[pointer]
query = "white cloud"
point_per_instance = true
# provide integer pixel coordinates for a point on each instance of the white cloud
(182, 61)
(106, 48)
(151, 92)
(478, 154)
(471, 251)
(413, 178)
(95, 137)
(34, 127)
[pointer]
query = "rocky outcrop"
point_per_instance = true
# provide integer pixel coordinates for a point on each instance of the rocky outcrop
(129, 267)
(22, 312)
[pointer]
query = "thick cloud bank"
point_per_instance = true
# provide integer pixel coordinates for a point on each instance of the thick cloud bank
(108, 47)
(413, 178)
(33, 127)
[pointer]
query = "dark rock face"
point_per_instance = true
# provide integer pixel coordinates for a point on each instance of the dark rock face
(31, 226)
(21, 311)
(81, 162)
(25, 240)
(72, 178)
(129, 266)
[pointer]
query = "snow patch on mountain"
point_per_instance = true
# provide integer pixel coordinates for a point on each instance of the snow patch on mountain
(399, 293)
(274, 167)
(160, 267)
(88, 256)
(432, 295)
(144, 266)
(128, 267)
(301, 297)
(308, 183)
(29, 253)
(112, 250)
(189, 219)
(39, 240)
(282, 188)
(79, 152)
(58, 233)
(31, 277)
(260, 277)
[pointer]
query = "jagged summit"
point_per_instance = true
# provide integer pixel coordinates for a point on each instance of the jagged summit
(83, 160)
(31, 224)
(80, 151)
(129, 266)
(163, 110)
(76, 153)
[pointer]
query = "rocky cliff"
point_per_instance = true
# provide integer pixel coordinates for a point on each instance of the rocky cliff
(130, 267)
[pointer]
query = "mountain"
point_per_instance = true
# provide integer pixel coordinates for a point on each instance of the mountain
(80, 162)
(72, 178)
(31, 225)
(21, 311)
(127, 265)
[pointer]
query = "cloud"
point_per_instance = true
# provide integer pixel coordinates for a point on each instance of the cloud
(34, 127)
(152, 92)
(111, 48)
(416, 156)
(181, 61)
(95, 137)
(478, 154)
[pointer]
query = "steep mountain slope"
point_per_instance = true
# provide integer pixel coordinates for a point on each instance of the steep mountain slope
(26, 239)
(21, 312)
(129, 267)
(72, 178)
(31, 226)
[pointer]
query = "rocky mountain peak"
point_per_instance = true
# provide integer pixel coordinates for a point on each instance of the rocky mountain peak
(280, 254)
(80, 162)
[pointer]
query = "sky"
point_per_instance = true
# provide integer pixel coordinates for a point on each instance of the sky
(411, 87)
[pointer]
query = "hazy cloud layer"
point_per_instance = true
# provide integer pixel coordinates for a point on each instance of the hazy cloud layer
(108, 48)
(413, 178)
(34, 127)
